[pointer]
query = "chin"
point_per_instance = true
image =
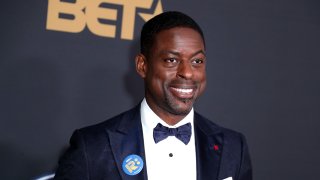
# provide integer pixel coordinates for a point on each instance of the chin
(181, 112)
(182, 108)
(179, 106)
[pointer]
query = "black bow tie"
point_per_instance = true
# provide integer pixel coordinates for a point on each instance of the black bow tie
(183, 133)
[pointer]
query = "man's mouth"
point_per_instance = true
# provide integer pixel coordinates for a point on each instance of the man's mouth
(184, 93)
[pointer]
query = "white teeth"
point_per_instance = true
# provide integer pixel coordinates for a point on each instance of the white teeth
(183, 90)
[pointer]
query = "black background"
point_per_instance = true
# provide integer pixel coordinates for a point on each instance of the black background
(263, 80)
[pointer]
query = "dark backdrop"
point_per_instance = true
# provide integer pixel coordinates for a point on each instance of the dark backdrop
(263, 80)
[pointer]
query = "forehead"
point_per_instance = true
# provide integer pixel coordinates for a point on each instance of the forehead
(178, 37)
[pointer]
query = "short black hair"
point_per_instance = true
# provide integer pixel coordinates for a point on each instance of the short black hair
(165, 21)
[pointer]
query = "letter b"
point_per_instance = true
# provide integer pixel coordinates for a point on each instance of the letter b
(56, 7)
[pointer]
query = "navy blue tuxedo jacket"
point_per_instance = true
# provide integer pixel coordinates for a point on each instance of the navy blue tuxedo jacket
(97, 152)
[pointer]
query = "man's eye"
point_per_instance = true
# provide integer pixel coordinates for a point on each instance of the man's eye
(198, 61)
(170, 60)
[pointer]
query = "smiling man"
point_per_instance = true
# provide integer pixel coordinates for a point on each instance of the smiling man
(162, 138)
(174, 72)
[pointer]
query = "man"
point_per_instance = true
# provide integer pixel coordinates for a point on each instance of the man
(161, 138)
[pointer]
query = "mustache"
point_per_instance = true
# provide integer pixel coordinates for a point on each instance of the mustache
(183, 82)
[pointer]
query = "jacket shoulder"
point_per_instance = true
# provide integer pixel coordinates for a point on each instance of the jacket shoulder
(212, 128)
(111, 124)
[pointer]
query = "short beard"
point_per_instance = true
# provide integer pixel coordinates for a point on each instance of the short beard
(173, 109)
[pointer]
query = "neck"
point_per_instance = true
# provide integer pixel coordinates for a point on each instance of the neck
(166, 116)
(171, 120)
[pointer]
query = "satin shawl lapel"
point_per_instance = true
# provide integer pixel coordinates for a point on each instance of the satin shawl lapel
(209, 146)
(127, 139)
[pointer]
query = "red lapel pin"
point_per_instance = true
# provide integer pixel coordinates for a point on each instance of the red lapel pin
(216, 147)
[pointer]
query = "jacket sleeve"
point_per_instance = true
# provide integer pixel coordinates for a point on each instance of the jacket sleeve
(245, 171)
(73, 164)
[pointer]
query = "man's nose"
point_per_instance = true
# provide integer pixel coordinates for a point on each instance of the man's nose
(185, 70)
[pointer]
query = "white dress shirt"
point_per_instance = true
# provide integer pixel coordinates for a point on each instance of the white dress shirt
(159, 164)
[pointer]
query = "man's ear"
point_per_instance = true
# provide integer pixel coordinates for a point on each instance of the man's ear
(141, 65)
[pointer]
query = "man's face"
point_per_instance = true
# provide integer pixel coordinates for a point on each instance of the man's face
(174, 72)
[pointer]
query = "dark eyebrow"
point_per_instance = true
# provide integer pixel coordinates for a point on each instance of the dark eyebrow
(177, 53)
(199, 52)
(170, 52)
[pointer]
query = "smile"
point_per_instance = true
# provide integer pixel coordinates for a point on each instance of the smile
(183, 93)
(187, 91)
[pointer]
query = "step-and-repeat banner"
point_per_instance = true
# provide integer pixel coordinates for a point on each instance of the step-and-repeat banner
(65, 64)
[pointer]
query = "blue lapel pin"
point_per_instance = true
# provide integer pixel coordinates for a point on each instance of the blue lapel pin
(132, 165)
